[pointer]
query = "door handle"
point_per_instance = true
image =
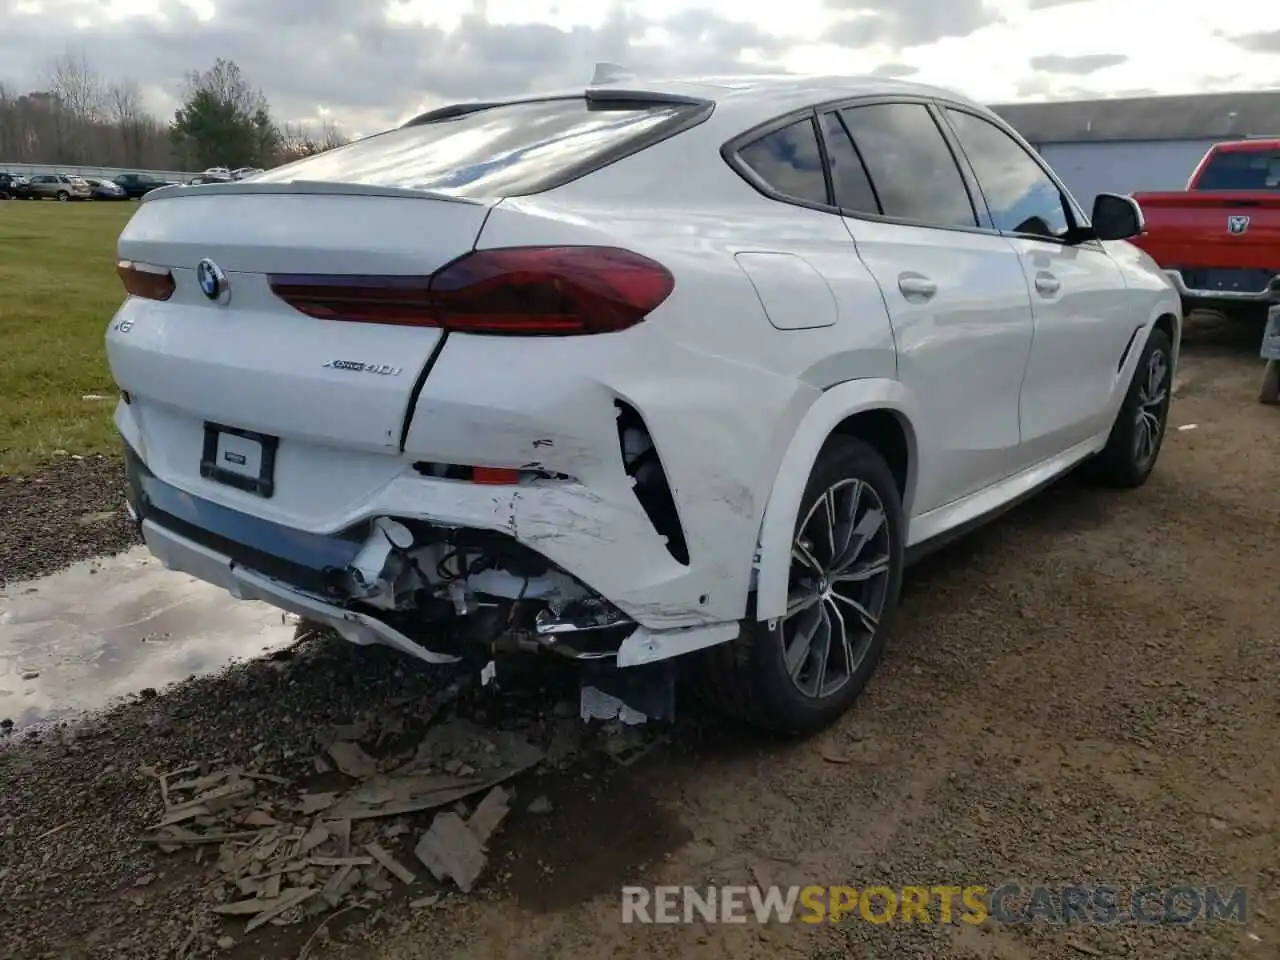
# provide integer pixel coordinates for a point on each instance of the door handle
(1047, 283)
(916, 287)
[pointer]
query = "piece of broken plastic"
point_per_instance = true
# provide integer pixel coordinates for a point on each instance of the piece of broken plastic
(598, 705)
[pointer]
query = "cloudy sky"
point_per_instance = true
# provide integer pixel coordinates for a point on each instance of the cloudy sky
(369, 63)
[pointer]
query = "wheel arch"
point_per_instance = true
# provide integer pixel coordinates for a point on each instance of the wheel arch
(1170, 323)
(878, 411)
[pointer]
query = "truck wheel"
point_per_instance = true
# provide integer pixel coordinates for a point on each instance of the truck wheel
(1136, 436)
(798, 674)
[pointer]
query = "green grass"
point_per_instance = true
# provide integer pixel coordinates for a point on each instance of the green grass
(58, 290)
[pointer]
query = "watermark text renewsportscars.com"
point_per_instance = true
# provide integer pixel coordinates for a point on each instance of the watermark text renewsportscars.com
(1098, 904)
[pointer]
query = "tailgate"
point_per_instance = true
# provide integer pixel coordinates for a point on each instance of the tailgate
(1197, 231)
(248, 360)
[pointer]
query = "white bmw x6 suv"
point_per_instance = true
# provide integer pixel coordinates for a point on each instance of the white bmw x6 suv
(646, 370)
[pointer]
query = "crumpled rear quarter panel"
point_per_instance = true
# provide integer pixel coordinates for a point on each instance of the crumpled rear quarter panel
(718, 426)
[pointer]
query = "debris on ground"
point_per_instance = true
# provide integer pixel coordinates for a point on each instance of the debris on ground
(633, 696)
(423, 781)
(280, 860)
(350, 759)
(598, 705)
(454, 849)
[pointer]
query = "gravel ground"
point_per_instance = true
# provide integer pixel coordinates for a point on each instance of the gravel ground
(70, 510)
(1083, 693)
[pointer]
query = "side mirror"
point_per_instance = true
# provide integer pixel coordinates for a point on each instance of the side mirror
(1116, 218)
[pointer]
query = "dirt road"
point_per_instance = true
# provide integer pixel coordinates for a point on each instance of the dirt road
(1087, 692)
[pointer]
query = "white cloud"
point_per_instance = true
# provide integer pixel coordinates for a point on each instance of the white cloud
(370, 62)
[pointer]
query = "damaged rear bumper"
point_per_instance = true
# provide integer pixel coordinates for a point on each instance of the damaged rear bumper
(295, 570)
(178, 553)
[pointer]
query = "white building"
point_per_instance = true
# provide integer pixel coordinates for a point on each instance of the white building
(1143, 143)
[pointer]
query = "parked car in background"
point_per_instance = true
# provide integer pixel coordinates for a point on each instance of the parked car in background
(137, 185)
(105, 189)
(204, 178)
(54, 186)
(1219, 239)
(795, 331)
(221, 172)
(9, 185)
(241, 173)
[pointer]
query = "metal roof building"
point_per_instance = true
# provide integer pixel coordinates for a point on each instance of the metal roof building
(1124, 145)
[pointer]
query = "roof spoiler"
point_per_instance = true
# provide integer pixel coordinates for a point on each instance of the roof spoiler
(607, 95)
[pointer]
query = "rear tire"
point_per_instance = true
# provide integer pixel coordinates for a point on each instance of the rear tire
(63, 196)
(846, 572)
(1138, 433)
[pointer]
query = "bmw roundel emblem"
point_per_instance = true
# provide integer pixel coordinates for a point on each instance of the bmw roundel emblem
(213, 282)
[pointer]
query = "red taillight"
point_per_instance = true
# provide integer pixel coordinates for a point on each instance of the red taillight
(144, 280)
(517, 290)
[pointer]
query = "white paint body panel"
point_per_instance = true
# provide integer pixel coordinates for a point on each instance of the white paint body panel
(793, 294)
(1081, 329)
(961, 353)
(784, 321)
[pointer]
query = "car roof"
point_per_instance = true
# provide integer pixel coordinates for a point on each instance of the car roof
(743, 101)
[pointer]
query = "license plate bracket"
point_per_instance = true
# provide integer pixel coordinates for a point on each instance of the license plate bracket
(243, 459)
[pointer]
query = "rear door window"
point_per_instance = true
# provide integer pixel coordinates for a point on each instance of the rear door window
(789, 162)
(1241, 170)
(507, 150)
(849, 180)
(912, 168)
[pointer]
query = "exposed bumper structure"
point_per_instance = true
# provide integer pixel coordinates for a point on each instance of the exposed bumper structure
(178, 553)
(257, 559)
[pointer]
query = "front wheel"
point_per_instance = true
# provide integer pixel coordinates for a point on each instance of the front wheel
(800, 673)
(1136, 437)
(63, 196)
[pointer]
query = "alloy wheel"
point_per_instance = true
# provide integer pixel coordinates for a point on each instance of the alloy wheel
(1153, 392)
(840, 567)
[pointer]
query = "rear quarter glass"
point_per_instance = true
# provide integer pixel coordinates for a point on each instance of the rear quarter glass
(501, 151)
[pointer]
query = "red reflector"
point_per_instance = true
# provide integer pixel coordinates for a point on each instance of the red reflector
(495, 475)
(144, 280)
(515, 290)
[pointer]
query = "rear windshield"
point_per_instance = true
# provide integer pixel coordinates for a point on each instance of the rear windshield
(1241, 170)
(502, 151)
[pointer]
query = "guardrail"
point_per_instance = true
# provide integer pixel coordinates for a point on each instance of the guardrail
(101, 173)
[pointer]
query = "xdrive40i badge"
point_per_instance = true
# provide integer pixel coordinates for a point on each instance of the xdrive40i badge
(357, 366)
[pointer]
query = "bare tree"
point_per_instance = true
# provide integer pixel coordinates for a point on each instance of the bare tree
(331, 136)
(78, 90)
(300, 140)
(124, 112)
(77, 85)
(10, 138)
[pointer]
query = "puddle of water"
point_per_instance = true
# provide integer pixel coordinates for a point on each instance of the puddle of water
(105, 628)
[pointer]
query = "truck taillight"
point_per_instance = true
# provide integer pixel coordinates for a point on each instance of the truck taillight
(144, 280)
(511, 290)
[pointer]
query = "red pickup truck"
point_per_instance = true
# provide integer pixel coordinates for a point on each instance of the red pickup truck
(1219, 240)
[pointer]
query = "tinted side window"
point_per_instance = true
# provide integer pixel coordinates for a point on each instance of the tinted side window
(1020, 195)
(849, 180)
(507, 150)
(789, 161)
(911, 166)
